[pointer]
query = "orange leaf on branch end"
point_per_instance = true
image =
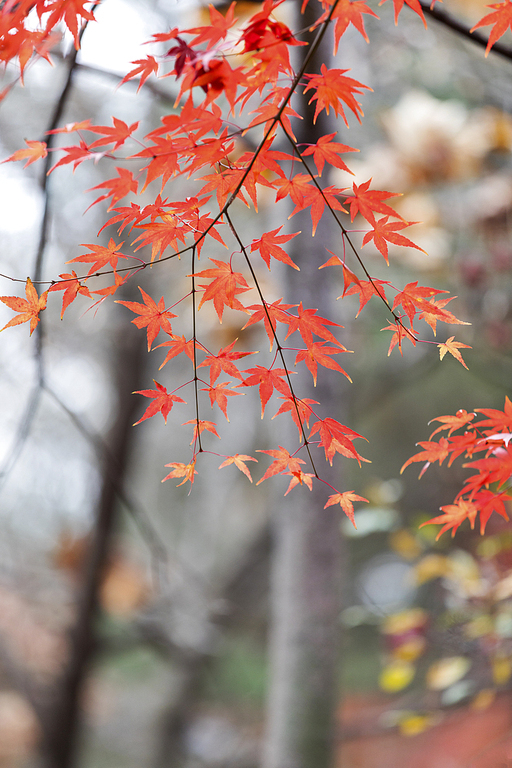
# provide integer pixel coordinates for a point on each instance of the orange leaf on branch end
(345, 500)
(28, 308)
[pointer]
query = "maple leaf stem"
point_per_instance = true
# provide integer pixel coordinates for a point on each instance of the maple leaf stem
(194, 346)
(279, 348)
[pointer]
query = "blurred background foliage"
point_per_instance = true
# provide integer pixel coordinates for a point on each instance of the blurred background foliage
(179, 672)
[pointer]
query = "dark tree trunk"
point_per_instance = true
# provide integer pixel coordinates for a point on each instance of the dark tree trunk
(63, 717)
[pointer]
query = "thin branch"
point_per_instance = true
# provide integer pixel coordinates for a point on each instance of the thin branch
(464, 30)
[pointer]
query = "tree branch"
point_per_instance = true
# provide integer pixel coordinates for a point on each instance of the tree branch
(464, 30)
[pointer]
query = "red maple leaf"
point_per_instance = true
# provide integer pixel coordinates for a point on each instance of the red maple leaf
(162, 402)
(223, 288)
(267, 379)
(270, 314)
(307, 323)
(384, 230)
(300, 478)
(119, 187)
(336, 438)
(217, 29)
(269, 245)
(366, 201)
(178, 344)
(299, 410)
(76, 155)
(224, 362)
(318, 353)
(283, 463)
(413, 5)
(350, 12)
(326, 150)
(437, 312)
(333, 89)
(502, 20)
(151, 315)
(413, 299)
(28, 308)
(451, 423)
(145, 68)
(365, 288)
(116, 135)
(71, 12)
(497, 420)
(200, 426)
(400, 332)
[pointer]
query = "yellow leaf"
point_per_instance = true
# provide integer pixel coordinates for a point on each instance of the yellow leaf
(396, 675)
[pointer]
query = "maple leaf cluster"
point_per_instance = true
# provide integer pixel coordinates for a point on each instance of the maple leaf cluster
(234, 78)
(488, 488)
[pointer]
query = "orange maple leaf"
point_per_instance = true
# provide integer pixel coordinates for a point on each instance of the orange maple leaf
(182, 470)
(28, 308)
(200, 426)
(71, 287)
(432, 452)
(178, 344)
(439, 313)
(452, 423)
(453, 347)
(36, 151)
(299, 409)
(151, 314)
(100, 256)
(345, 500)
(300, 478)
(239, 461)
(454, 515)
(161, 402)
(219, 395)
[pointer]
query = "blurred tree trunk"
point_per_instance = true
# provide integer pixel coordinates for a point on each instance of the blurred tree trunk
(307, 557)
(64, 714)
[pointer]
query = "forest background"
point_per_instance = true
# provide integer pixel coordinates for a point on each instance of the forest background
(180, 660)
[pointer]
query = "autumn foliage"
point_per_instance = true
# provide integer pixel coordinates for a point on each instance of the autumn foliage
(236, 80)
